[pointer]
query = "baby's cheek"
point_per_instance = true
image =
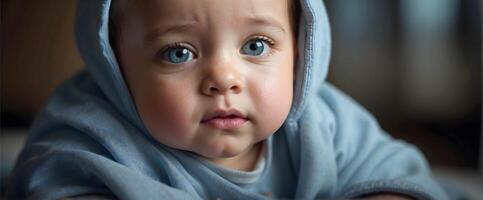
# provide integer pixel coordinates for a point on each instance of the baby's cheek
(168, 120)
(274, 101)
(279, 104)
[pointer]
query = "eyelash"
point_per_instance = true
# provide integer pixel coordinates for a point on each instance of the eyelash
(178, 45)
(269, 41)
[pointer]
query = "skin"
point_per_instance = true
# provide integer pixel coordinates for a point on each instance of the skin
(173, 99)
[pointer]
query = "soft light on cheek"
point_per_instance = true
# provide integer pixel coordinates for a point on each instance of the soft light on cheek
(274, 99)
(167, 117)
(281, 100)
(279, 84)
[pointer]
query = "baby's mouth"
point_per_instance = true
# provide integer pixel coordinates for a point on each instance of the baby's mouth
(225, 119)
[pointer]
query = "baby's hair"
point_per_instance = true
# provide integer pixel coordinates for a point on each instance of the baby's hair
(118, 7)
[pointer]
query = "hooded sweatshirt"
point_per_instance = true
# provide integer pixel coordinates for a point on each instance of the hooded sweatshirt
(89, 138)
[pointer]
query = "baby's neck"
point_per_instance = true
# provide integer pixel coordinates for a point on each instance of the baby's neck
(243, 162)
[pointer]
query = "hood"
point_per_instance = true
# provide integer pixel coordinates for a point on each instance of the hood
(98, 55)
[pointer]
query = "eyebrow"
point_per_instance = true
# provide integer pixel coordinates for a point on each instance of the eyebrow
(181, 27)
(185, 26)
(266, 21)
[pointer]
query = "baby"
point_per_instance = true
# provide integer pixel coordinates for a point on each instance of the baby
(210, 99)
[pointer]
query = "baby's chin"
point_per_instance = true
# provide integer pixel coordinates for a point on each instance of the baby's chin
(225, 150)
(223, 147)
(224, 153)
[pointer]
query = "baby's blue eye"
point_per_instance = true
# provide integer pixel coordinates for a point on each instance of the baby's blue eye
(178, 55)
(255, 47)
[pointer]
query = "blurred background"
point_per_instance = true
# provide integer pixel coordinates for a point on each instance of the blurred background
(416, 65)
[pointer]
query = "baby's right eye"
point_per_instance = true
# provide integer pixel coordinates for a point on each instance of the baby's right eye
(177, 55)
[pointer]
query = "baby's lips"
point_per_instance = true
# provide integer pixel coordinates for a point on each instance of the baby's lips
(220, 113)
(226, 122)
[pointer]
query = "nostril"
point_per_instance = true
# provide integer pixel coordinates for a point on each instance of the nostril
(235, 88)
(213, 89)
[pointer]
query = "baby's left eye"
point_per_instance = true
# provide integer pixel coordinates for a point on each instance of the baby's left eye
(256, 47)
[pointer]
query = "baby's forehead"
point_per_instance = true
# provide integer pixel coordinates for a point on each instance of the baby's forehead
(125, 5)
(151, 9)
(156, 14)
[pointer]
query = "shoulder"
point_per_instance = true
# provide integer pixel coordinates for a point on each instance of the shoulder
(338, 101)
(77, 104)
(332, 107)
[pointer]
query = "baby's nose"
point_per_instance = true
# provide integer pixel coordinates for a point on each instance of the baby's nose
(221, 80)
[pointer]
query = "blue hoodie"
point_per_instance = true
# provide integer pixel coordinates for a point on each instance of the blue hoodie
(90, 139)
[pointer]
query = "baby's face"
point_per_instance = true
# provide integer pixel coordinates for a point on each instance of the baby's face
(209, 76)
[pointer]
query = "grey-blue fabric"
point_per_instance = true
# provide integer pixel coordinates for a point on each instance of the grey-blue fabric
(90, 139)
